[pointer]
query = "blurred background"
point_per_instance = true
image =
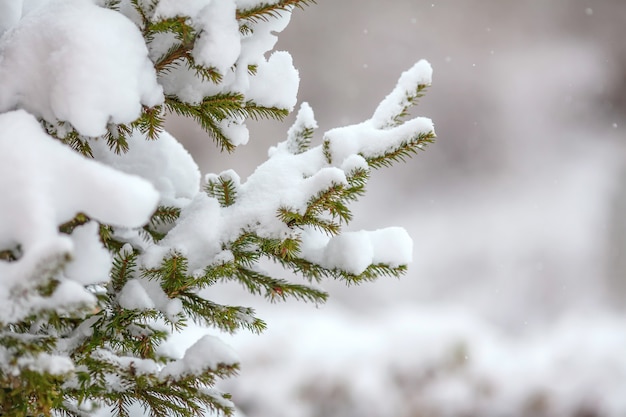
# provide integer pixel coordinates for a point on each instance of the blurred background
(514, 305)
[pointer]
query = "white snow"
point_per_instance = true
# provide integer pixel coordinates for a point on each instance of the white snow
(273, 83)
(381, 133)
(350, 251)
(50, 184)
(276, 82)
(219, 43)
(409, 359)
(305, 119)
(171, 8)
(91, 262)
(228, 175)
(164, 162)
(67, 297)
(96, 64)
(30, 5)
(353, 252)
(371, 141)
(196, 235)
(138, 365)
(392, 246)
(288, 180)
(134, 296)
(353, 163)
(53, 364)
(74, 64)
(263, 37)
(419, 74)
(209, 352)
(235, 130)
(150, 293)
(325, 178)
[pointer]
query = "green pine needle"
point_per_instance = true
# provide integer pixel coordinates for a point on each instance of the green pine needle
(164, 215)
(406, 150)
(124, 266)
(373, 272)
(150, 123)
(412, 99)
(225, 318)
(223, 189)
(265, 11)
(78, 143)
(116, 138)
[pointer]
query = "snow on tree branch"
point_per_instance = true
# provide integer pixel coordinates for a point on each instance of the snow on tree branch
(47, 184)
(89, 67)
(110, 240)
(385, 137)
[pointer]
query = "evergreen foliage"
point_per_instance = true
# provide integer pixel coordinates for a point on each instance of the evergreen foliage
(75, 360)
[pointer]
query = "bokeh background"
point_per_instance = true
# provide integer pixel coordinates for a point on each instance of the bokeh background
(514, 305)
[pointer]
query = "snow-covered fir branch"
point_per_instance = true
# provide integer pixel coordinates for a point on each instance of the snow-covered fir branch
(110, 237)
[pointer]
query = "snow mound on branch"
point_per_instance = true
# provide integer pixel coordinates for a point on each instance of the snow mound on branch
(134, 296)
(420, 74)
(164, 162)
(91, 262)
(50, 184)
(96, 61)
(354, 251)
(276, 83)
(288, 180)
(218, 44)
(239, 56)
(53, 364)
(207, 353)
(370, 141)
(383, 133)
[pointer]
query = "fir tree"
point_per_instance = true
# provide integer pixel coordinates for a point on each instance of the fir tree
(109, 240)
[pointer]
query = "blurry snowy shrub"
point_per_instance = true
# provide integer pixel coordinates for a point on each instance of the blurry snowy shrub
(431, 361)
(109, 236)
